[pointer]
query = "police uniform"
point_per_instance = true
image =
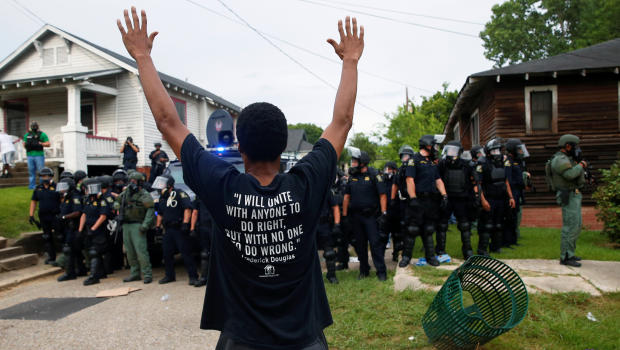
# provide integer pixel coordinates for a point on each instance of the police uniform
(97, 241)
(49, 207)
(341, 237)
(71, 202)
(172, 205)
(136, 208)
(205, 230)
(459, 180)
(157, 165)
(568, 177)
(422, 219)
(492, 177)
(517, 185)
(365, 190)
(324, 237)
(397, 211)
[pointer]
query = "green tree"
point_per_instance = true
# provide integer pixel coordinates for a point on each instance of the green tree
(523, 30)
(313, 132)
(440, 104)
(363, 142)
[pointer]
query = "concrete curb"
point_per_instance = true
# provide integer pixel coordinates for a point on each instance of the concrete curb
(13, 278)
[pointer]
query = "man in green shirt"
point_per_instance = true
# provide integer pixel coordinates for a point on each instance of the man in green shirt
(34, 141)
(567, 177)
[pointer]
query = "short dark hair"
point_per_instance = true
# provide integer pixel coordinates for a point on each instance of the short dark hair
(262, 131)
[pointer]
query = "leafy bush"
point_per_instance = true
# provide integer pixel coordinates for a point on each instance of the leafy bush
(607, 197)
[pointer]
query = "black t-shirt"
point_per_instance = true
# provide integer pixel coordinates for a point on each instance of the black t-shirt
(48, 198)
(265, 287)
(129, 153)
(95, 206)
(365, 189)
(424, 173)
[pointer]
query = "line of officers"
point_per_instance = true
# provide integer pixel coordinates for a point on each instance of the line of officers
(92, 219)
(482, 187)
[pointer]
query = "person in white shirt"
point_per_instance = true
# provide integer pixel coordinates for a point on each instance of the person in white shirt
(7, 150)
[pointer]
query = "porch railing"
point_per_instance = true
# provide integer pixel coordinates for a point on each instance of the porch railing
(99, 146)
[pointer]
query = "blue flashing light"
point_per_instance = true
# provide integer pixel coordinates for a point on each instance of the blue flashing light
(220, 149)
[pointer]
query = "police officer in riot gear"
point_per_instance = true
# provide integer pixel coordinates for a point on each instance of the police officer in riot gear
(174, 214)
(48, 199)
(93, 222)
(427, 196)
(364, 195)
(158, 162)
(566, 170)
(136, 215)
(392, 224)
(202, 228)
(400, 199)
(459, 181)
(68, 222)
(516, 153)
(65, 174)
(495, 191)
(79, 177)
(119, 181)
(328, 229)
(340, 238)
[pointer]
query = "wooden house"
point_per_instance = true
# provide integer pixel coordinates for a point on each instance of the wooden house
(88, 99)
(538, 101)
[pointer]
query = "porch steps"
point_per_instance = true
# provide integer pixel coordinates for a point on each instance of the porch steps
(19, 174)
(18, 262)
(3, 242)
(10, 252)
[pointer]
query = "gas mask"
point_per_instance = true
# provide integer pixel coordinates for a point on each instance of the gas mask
(46, 181)
(575, 153)
(496, 156)
(133, 187)
(35, 128)
(355, 168)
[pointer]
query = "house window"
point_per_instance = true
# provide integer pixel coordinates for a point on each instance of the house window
(457, 132)
(475, 128)
(87, 117)
(541, 109)
(55, 56)
(181, 107)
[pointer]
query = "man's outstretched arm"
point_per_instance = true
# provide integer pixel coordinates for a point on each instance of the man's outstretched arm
(349, 50)
(139, 43)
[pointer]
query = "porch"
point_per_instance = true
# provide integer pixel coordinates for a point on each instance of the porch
(79, 118)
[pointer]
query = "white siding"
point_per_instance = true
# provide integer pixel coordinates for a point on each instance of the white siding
(106, 109)
(50, 111)
(129, 112)
(30, 64)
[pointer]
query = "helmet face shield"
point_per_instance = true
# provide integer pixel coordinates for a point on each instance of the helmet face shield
(405, 157)
(355, 152)
(466, 155)
(495, 152)
(450, 151)
(522, 151)
(62, 187)
(160, 183)
(94, 188)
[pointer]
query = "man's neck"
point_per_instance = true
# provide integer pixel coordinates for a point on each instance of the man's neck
(264, 172)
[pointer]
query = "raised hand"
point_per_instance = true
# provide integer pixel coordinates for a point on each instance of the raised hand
(351, 44)
(136, 38)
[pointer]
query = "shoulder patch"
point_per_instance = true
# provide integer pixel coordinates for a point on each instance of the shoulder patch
(506, 162)
(479, 168)
(366, 178)
(183, 195)
(109, 199)
(52, 188)
(104, 204)
(76, 201)
(379, 178)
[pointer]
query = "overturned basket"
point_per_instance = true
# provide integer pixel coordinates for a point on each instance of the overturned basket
(499, 298)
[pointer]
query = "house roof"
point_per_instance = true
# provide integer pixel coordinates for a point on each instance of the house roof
(124, 62)
(603, 55)
(297, 141)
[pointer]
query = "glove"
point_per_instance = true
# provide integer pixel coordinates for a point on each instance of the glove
(337, 234)
(345, 223)
(60, 218)
(383, 238)
(158, 231)
(414, 203)
(193, 234)
(394, 204)
(444, 202)
(477, 201)
(185, 227)
(32, 221)
(381, 221)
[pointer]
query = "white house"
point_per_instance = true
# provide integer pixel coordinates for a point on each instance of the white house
(88, 99)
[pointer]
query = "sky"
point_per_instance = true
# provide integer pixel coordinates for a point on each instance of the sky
(406, 46)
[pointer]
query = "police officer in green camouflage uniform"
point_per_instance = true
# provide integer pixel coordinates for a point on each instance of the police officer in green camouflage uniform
(137, 214)
(567, 177)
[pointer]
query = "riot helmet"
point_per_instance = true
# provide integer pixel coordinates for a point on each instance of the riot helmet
(65, 185)
(79, 176)
(45, 175)
(452, 150)
(429, 144)
(120, 175)
(162, 182)
(466, 156)
(66, 174)
(405, 153)
(136, 179)
(93, 186)
(477, 152)
(106, 181)
(493, 149)
(34, 126)
(359, 159)
(573, 141)
(517, 149)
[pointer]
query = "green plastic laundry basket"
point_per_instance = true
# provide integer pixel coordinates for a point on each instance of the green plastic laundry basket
(500, 303)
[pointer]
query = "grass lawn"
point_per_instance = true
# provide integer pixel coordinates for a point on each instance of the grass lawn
(536, 243)
(14, 206)
(369, 314)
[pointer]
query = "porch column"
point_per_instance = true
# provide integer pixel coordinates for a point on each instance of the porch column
(74, 133)
(202, 120)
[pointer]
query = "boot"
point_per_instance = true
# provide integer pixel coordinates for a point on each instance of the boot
(483, 243)
(342, 266)
(404, 262)
(66, 277)
(429, 251)
(440, 249)
(466, 248)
